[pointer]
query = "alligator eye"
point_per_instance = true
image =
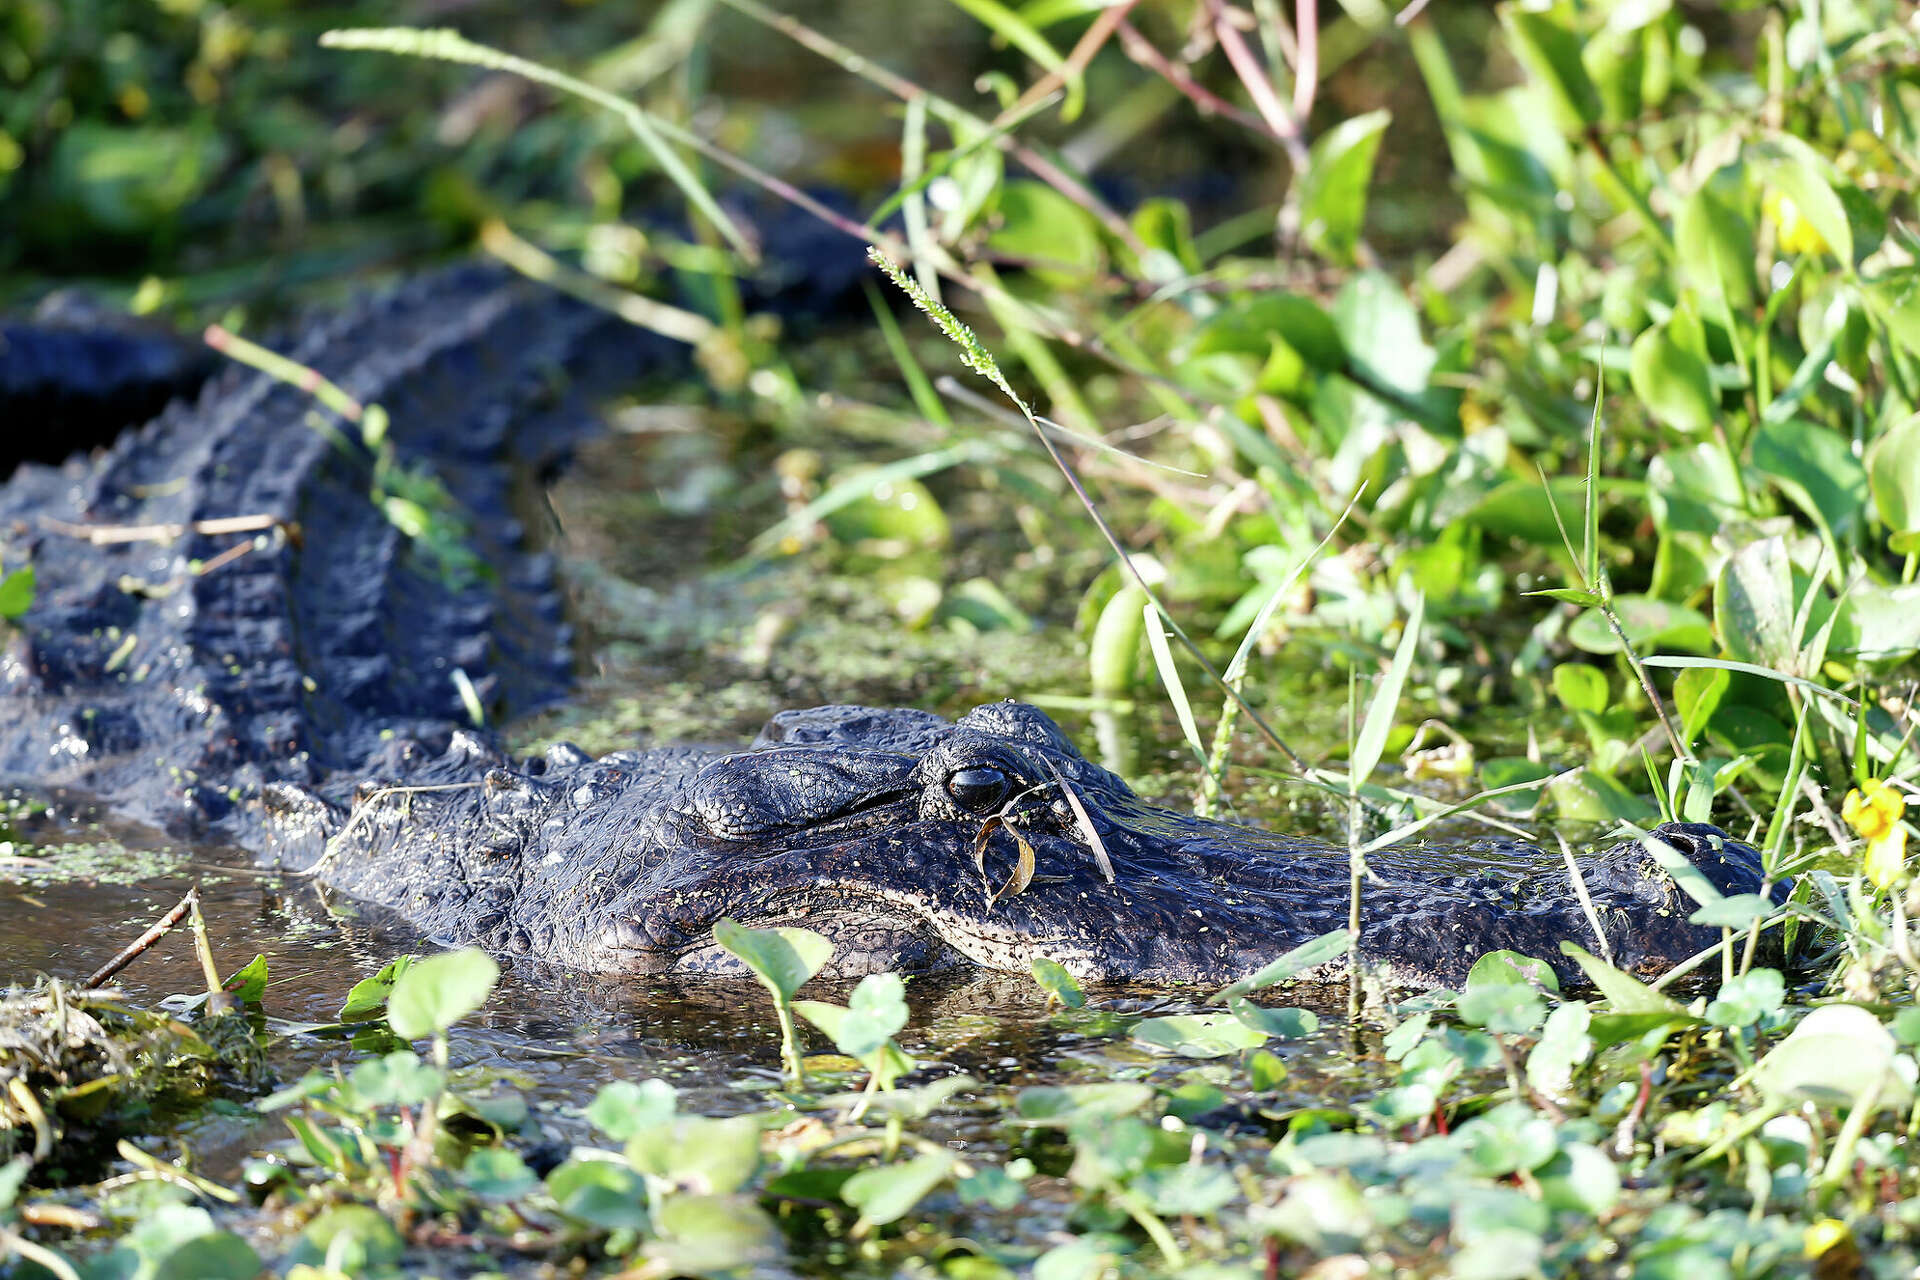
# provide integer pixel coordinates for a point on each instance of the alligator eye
(977, 788)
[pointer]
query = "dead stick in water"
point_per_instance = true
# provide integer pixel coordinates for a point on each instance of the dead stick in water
(157, 931)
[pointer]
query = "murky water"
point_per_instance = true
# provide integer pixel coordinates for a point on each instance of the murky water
(677, 646)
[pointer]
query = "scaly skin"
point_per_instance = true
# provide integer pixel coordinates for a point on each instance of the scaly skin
(300, 699)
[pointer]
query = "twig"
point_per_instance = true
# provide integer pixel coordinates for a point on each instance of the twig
(1144, 53)
(105, 535)
(154, 933)
(1089, 44)
(1260, 88)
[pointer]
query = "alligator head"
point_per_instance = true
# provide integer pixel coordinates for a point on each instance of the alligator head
(915, 843)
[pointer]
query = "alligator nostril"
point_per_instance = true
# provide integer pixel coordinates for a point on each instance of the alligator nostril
(980, 787)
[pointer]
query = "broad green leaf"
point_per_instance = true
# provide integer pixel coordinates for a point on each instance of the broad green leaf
(1510, 969)
(1815, 467)
(1563, 1046)
(1893, 474)
(600, 1192)
(437, 992)
(1550, 51)
(1249, 327)
(1580, 1179)
(1648, 623)
(1380, 329)
(701, 1235)
(1672, 382)
(1838, 1055)
(249, 983)
(399, 1079)
(1697, 692)
(1308, 955)
(1333, 189)
(1801, 174)
(622, 1108)
(876, 1012)
(1041, 227)
(783, 958)
(1056, 1106)
(497, 1173)
(1502, 1008)
(1199, 1035)
(1754, 606)
(1279, 1024)
(698, 1154)
(1058, 983)
(1747, 997)
(351, 1239)
(1715, 245)
(886, 1193)
(1592, 796)
(369, 995)
(1580, 687)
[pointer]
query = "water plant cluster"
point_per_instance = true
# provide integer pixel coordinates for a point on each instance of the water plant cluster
(1631, 442)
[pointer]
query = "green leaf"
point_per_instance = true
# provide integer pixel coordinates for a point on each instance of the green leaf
(16, 592)
(877, 1011)
(350, 1239)
(1754, 606)
(1511, 969)
(369, 995)
(437, 992)
(249, 983)
(1333, 188)
(1041, 227)
(1564, 1046)
(1715, 249)
(1800, 173)
(1058, 983)
(1648, 624)
(1838, 1055)
(1580, 687)
(1380, 329)
(1893, 474)
(1198, 1035)
(1057, 1106)
(1625, 993)
(1550, 52)
(889, 1192)
(1502, 1008)
(601, 1193)
(497, 1173)
(1279, 1024)
(783, 959)
(1569, 595)
(698, 1235)
(1372, 739)
(1579, 1179)
(1012, 28)
(1815, 467)
(1310, 954)
(622, 1108)
(1672, 382)
(698, 1154)
(1749, 996)
(1697, 692)
(397, 1080)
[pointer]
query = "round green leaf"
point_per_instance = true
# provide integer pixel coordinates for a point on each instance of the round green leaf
(1672, 382)
(1333, 188)
(437, 992)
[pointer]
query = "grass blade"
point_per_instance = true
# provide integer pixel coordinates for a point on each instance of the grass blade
(1170, 677)
(451, 46)
(1372, 738)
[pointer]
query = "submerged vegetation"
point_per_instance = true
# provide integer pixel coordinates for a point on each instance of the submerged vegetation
(1583, 384)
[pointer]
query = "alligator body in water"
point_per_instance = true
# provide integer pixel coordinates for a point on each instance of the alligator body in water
(299, 688)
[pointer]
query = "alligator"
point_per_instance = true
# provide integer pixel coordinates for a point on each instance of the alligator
(309, 687)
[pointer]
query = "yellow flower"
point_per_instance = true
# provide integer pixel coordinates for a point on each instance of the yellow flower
(1823, 1235)
(1797, 235)
(1874, 811)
